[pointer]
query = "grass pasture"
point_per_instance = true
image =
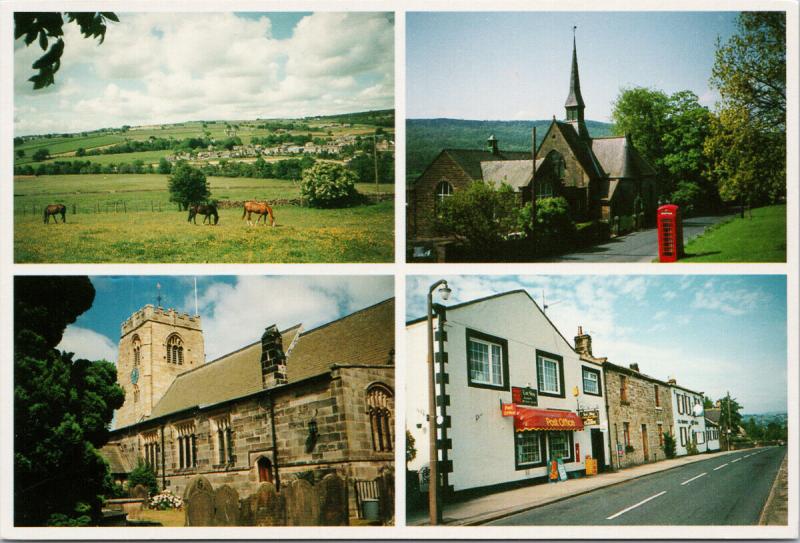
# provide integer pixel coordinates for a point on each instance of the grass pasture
(359, 234)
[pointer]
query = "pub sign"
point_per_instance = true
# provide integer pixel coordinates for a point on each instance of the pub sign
(591, 417)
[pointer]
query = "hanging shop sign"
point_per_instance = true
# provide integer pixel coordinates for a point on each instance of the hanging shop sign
(542, 419)
(524, 396)
(508, 409)
(590, 417)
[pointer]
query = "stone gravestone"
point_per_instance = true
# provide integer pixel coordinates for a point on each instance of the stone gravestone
(198, 499)
(332, 492)
(139, 492)
(302, 503)
(268, 506)
(247, 511)
(226, 506)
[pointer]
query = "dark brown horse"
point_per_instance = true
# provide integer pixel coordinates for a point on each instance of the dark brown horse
(262, 209)
(55, 209)
(209, 212)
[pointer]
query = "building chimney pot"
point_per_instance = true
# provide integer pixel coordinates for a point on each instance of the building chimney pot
(583, 343)
(273, 358)
(634, 367)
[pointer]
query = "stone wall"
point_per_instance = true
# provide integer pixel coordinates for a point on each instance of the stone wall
(639, 409)
(443, 168)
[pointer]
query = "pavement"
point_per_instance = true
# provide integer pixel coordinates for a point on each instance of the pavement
(776, 512)
(502, 505)
(638, 246)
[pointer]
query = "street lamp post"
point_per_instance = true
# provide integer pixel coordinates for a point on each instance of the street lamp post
(433, 481)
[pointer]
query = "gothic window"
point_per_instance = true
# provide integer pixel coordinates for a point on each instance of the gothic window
(152, 450)
(224, 441)
(135, 393)
(137, 351)
(187, 446)
(380, 407)
(444, 190)
(174, 349)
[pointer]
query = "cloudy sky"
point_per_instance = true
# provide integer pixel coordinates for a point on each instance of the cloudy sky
(173, 67)
(510, 66)
(712, 333)
(235, 310)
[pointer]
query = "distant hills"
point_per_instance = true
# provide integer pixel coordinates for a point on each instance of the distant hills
(425, 138)
(763, 419)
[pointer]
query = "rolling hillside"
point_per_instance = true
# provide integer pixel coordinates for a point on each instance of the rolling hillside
(425, 138)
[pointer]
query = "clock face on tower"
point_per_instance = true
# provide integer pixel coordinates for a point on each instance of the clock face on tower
(134, 375)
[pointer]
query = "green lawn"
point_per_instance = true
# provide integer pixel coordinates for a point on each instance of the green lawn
(761, 238)
(358, 234)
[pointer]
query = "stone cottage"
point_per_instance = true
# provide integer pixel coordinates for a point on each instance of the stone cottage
(318, 400)
(599, 177)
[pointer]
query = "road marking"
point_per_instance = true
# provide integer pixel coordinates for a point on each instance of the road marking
(692, 479)
(748, 455)
(615, 515)
(732, 461)
(720, 467)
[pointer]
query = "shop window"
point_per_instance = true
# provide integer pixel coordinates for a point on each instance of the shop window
(591, 381)
(380, 407)
(487, 361)
(529, 449)
(550, 374)
(560, 445)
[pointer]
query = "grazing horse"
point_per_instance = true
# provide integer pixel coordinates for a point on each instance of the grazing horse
(262, 209)
(209, 212)
(55, 209)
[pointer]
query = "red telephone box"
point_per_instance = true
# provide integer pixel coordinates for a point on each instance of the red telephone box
(670, 233)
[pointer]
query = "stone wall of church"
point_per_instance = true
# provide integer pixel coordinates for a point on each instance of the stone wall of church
(443, 168)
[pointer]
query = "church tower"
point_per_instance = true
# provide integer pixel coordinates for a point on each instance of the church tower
(155, 346)
(574, 104)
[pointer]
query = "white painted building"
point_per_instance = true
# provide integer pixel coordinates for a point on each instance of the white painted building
(688, 421)
(503, 351)
(712, 436)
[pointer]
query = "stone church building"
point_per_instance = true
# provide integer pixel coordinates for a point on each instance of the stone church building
(298, 400)
(600, 178)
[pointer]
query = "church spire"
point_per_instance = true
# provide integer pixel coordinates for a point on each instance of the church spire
(574, 104)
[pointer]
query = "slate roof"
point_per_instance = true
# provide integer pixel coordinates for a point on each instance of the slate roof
(117, 461)
(470, 159)
(581, 149)
(619, 158)
(516, 173)
(363, 337)
(713, 414)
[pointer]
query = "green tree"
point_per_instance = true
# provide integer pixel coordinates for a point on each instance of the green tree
(747, 145)
(642, 113)
(411, 450)
(62, 408)
(20, 153)
(144, 475)
(482, 215)
(41, 154)
(44, 27)
(708, 403)
(669, 445)
(327, 184)
(164, 166)
(187, 185)
(730, 416)
(80, 152)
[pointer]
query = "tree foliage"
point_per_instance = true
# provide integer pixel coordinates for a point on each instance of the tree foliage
(187, 185)
(327, 184)
(411, 449)
(143, 475)
(480, 214)
(734, 420)
(62, 408)
(44, 27)
(669, 445)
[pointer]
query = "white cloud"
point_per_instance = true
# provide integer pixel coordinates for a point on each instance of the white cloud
(730, 302)
(161, 68)
(236, 315)
(88, 344)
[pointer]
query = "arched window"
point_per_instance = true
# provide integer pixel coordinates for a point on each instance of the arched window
(137, 351)
(380, 407)
(135, 393)
(174, 349)
(264, 470)
(444, 190)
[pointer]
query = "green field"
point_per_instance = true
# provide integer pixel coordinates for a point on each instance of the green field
(761, 238)
(359, 234)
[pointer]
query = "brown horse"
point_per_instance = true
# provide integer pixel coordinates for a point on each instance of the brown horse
(209, 212)
(262, 209)
(55, 209)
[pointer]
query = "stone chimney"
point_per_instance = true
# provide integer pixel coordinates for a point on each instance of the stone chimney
(273, 359)
(672, 381)
(583, 343)
(492, 144)
(634, 367)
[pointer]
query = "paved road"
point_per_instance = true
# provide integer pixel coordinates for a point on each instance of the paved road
(638, 246)
(730, 490)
